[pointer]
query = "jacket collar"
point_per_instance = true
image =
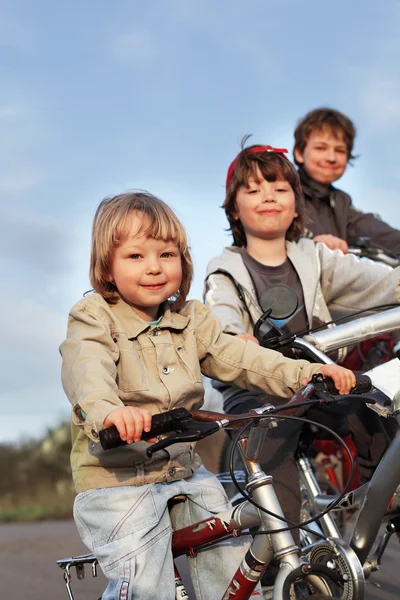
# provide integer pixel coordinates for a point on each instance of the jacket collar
(231, 261)
(313, 189)
(135, 325)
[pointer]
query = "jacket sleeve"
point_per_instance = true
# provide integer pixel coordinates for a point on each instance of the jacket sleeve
(349, 283)
(361, 224)
(89, 372)
(222, 297)
(245, 364)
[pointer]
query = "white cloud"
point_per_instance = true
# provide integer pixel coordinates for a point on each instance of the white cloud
(138, 46)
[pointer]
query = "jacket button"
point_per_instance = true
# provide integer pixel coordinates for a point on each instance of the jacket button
(166, 370)
(171, 471)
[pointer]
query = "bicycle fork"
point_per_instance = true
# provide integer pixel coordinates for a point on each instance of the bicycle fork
(311, 484)
(281, 545)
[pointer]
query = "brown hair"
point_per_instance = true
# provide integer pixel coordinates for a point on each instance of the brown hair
(322, 119)
(109, 230)
(273, 166)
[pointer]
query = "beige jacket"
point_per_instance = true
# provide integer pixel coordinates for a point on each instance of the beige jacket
(111, 358)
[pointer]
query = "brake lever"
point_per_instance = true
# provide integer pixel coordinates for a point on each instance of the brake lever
(280, 341)
(329, 396)
(191, 431)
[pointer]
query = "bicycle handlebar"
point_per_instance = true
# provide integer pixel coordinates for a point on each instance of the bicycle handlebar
(355, 331)
(376, 254)
(183, 425)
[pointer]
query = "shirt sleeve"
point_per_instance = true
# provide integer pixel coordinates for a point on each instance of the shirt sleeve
(349, 283)
(245, 364)
(361, 224)
(222, 297)
(89, 373)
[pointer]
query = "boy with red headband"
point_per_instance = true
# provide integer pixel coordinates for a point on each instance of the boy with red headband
(265, 210)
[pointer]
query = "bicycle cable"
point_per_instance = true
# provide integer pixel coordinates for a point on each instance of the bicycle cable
(263, 509)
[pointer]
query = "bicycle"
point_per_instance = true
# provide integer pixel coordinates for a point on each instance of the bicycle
(328, 567)
(315, 346)
(364, 248)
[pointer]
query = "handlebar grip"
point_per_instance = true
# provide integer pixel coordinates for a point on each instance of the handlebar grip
(162, 423)
(109, 438)
(363, 385)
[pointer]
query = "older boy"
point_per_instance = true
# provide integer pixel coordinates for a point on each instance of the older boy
(324, 141)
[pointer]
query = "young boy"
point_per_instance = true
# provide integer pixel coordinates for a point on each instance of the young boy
(324, 141)
(264, 208)
(136, 348)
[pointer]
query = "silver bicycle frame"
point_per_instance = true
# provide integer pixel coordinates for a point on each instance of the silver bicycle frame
(373, 498)
(282, 545)
(355, 331)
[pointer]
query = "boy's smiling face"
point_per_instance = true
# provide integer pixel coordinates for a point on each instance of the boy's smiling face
(145, 271)
(266, 209)
(324, 156)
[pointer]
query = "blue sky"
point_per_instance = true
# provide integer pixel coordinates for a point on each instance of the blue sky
(97, 98)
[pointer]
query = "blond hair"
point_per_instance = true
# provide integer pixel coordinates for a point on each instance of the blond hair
(110, 224)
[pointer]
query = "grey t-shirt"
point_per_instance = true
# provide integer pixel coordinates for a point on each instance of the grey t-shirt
(264, 276)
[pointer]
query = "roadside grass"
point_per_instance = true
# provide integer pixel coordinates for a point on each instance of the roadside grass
(36, 481)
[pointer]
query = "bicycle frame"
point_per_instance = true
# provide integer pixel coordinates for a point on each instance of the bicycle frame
(373, 500)
(197, 537)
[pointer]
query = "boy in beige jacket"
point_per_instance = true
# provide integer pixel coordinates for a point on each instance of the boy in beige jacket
(136, 348)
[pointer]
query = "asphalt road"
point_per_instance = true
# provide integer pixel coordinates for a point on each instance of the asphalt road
(28, 569)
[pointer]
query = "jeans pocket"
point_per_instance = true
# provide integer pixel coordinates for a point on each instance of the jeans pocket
(110, 514)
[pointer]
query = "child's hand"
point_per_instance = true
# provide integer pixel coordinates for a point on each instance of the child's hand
(333, 242)
(130, 422)
(343, 379)
(248, 336)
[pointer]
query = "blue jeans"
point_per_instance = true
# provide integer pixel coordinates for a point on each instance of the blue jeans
(129, 531)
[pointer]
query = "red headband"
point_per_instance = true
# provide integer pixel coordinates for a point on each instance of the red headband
(253, 150)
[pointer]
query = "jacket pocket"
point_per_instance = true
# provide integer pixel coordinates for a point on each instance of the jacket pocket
(132, 376)
(190, 363)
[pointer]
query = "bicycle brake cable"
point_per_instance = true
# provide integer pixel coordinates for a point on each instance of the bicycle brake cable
(263, 509)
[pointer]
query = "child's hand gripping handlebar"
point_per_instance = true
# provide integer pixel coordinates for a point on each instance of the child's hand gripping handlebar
(177, 422)
(326, 385)
(183, 425)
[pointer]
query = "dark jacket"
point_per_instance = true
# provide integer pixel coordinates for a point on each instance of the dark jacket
(329, 210)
